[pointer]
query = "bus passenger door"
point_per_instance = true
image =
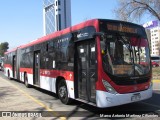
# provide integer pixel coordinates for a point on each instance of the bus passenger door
(14, 66)
(86, 70)
(36, 68)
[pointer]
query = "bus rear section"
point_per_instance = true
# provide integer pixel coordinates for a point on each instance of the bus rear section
(11, 64)
(1, 63)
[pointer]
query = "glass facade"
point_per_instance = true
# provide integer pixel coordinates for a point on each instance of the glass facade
(49, 16)
(56, 15)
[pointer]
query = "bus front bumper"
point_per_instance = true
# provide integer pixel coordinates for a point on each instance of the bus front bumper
(105, 99)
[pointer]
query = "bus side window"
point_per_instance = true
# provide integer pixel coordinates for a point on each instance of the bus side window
(70, 49)
(50, 46)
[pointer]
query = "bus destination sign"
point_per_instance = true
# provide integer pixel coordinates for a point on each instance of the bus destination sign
(121, 28)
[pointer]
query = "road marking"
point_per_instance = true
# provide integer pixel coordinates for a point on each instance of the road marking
(35, 100)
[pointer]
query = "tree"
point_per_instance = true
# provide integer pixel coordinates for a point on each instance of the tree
(3, 48)
(134, 10)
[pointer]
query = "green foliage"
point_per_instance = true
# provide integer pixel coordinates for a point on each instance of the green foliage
(3, 48)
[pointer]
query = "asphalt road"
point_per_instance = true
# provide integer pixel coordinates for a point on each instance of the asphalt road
(14, 96)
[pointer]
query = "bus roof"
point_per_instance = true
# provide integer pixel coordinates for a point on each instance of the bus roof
(12, 50)
(93, 22)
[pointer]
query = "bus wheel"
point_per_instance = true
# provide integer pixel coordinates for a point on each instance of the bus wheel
(63, 92)
(26, 80)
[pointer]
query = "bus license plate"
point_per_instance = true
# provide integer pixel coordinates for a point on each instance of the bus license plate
(136, 97)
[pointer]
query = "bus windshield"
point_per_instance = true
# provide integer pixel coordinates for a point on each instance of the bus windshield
(125, 55)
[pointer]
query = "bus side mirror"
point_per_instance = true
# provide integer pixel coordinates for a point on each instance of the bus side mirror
(101, 34)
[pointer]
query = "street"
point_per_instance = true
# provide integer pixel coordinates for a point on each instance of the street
(14, 96)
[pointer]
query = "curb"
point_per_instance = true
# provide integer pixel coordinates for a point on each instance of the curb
(156, 84)
(156, 81)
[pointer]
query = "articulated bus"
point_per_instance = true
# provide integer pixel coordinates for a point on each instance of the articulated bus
(96, 62)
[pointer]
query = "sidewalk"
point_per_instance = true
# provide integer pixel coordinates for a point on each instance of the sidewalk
(14, 100)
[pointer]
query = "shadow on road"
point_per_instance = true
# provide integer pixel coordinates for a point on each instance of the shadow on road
(150, 106)
(146, 107)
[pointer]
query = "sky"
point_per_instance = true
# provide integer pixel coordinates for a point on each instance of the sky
(21, 21)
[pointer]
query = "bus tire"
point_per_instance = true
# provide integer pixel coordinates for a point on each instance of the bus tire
(26, 80)
(63, 92)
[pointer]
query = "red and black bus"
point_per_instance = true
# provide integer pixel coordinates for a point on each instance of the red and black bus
(97, 62)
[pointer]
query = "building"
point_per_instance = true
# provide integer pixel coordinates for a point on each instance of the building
(154, 28)
(56, 15)
(155, 38)
(48, 16)
(148, 36)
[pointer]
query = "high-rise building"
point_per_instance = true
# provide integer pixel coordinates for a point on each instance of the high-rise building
(155, 38)
(48, 16)
(148, 36)
(56, 15)
(154, 28)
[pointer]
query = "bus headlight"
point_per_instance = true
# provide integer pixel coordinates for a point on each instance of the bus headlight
(108, 87)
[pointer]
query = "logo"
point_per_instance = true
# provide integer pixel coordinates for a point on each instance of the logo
(82, 35)
(6, 114)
